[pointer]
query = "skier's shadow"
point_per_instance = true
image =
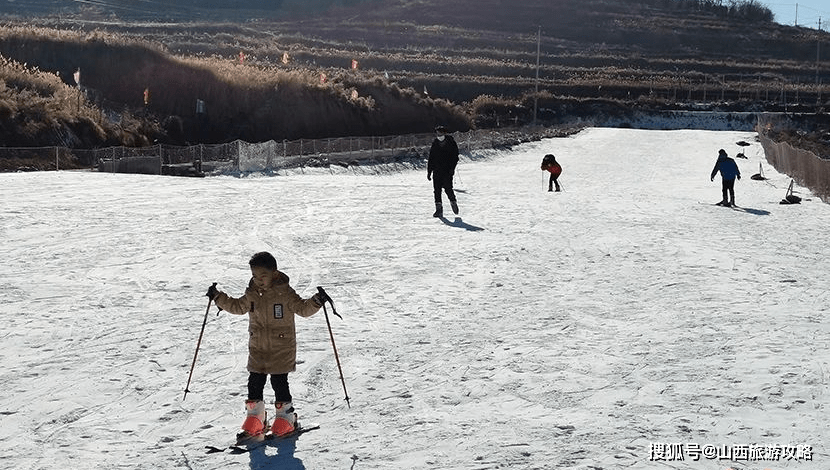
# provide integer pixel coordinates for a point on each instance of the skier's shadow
(283, 460)
(749, 210)
(461, 224)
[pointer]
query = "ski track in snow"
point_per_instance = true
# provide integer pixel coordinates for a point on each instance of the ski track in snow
(536, 330)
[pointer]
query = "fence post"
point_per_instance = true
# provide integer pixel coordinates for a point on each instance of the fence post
(57, 166)
(704, 87)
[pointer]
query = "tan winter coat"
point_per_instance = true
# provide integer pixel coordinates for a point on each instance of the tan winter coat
(272, 343)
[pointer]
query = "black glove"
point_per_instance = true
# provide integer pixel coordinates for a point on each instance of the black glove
(317, 299)
(212, 292)
(429, 176)
(739, 177)
(324, 297)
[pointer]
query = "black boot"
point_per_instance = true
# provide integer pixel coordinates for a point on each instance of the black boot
(454, 207)
(439, 210)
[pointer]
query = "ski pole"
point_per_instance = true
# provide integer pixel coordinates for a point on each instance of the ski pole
(326, 298)
(198, 343)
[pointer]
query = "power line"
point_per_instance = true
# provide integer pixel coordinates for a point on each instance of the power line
(804, 15)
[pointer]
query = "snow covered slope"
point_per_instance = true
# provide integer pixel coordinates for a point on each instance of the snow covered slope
(592, 328)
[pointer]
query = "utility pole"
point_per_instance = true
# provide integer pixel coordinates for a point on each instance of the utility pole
(536, 93)
(796, 14)
(818, 47)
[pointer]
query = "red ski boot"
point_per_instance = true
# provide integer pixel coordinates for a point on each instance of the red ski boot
(253, 429)
(285, 421)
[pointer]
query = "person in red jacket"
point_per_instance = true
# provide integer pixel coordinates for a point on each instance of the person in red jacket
(550, 164)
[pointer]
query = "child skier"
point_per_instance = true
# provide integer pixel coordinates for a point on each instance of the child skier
(549, 163)
(728, 171)
(272, 345)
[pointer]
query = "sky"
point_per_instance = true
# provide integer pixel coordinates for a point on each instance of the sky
(578, 330)
(809, 12)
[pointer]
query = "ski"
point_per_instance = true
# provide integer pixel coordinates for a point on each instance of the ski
(241, 447)
(719, 204)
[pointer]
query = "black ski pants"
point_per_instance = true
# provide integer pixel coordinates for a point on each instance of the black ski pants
(553, 180)
(442, 182)
(728, 189)
(256, 386)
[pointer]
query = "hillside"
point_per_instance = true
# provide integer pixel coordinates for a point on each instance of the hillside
(469, 63)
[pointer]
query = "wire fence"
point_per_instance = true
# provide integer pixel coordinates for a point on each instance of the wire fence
(805, 167)
(244, 157)
(239, 157)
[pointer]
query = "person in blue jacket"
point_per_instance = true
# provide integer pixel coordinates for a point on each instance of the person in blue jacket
(728, 171)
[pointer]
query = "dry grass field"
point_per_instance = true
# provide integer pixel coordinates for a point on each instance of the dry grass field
(385, 67)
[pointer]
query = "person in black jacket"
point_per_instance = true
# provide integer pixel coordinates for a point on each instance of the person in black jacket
(443, 158)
